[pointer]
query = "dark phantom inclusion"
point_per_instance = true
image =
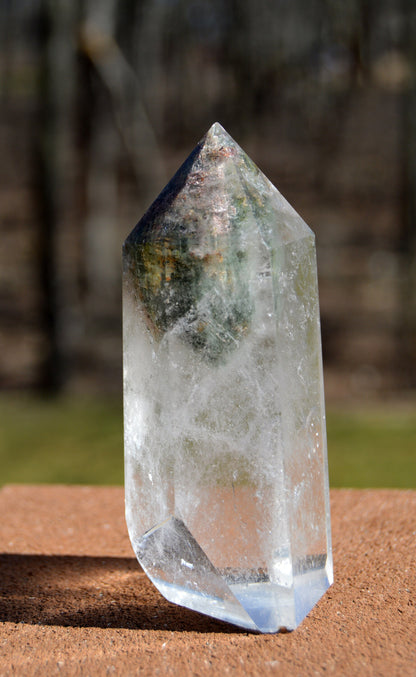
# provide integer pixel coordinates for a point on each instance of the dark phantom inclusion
(189, 255)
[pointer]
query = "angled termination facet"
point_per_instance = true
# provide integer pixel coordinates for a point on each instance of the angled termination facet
(226, 474)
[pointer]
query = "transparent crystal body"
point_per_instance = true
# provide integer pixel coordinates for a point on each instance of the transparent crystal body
(227, 500)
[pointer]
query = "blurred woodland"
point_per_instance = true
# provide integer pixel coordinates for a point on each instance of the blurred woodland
(101, 101)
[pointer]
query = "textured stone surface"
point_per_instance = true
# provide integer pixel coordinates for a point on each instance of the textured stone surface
(74, 601)
(224, 402)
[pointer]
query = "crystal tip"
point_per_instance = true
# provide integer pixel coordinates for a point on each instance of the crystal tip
(215, 130)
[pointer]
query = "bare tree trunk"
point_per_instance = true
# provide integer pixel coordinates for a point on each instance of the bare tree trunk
(407, 233)
(130, 115)
(100, 250)
(356, 33)
(6, 32)
(52, 157)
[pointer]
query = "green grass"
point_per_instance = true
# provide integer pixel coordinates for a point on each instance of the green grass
(372, 449)
(74, 442)
(81, 442)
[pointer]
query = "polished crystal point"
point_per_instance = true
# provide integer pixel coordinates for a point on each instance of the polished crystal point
(227, 499)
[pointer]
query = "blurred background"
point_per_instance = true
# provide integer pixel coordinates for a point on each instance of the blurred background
(101, 101)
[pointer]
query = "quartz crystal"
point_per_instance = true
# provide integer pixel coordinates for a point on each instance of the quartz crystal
(225, 447)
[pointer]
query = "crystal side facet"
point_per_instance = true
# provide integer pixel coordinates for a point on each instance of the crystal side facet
(227, 500)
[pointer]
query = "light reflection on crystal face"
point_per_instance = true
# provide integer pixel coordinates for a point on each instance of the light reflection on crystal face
(226, 481)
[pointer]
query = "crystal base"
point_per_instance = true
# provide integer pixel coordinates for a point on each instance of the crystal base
(182, 572)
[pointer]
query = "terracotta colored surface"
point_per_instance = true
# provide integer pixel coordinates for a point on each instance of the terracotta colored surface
(73, 600)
